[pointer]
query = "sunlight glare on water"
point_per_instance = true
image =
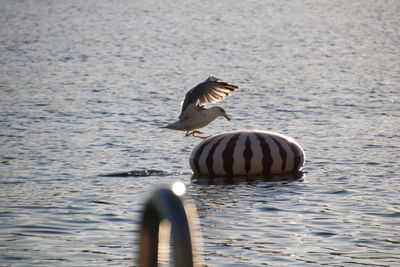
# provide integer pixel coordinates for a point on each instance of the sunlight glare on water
(178, 188)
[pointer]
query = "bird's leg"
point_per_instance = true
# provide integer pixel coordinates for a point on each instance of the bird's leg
(193, 133)
(190, 133)
(198, 136)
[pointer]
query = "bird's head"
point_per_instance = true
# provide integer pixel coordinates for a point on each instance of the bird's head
(221, 112)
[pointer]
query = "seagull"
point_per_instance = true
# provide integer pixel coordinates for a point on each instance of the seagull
(193, 113)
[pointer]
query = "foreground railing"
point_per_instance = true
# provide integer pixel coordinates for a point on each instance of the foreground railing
(182, 246)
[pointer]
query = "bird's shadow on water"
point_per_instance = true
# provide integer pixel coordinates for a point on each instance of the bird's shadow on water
(232, 180)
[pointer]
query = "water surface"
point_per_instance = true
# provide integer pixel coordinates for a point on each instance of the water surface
(85, 84)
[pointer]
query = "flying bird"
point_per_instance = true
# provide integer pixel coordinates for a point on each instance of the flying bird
(193, 113)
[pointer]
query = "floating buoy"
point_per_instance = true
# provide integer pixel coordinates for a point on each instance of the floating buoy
(247, 152)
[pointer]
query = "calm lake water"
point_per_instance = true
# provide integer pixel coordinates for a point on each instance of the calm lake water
(85, 84)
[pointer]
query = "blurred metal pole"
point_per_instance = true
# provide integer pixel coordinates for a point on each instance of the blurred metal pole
(165, 205)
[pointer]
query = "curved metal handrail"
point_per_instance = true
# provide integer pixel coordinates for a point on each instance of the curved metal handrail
(165, 205)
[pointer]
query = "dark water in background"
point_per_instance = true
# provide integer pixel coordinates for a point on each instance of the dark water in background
(85, 84)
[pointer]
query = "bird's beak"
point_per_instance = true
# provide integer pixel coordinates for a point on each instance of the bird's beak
(229, 118)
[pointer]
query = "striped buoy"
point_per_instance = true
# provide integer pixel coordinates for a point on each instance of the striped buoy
(247, 152)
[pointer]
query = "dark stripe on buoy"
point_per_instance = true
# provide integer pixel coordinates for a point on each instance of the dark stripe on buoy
(297, 156)
(267, 159)
(247, 154)
(227, 154)
(282, 152)
(210, 160)
(198, 154)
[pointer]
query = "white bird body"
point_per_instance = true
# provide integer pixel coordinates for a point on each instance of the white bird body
(193, 113)
(195, 118)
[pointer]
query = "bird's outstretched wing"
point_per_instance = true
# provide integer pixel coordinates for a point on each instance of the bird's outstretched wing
(210, 91)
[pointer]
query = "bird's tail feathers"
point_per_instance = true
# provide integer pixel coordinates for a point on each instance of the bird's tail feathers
(173, 126)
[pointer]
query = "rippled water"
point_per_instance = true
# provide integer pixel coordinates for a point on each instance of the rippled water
(85, 84)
